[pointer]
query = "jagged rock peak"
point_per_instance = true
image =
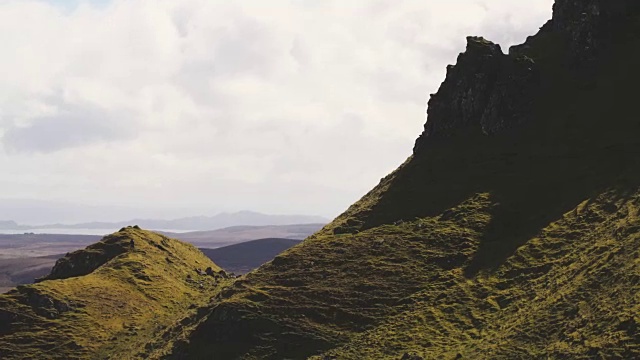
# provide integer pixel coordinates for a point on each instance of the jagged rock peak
(85, 261)
(479, 46)
(486, 91)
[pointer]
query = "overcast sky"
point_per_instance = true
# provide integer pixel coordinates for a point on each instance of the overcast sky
(277, 106)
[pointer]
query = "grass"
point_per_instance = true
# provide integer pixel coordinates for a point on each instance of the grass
(114, 310)
(570, 292)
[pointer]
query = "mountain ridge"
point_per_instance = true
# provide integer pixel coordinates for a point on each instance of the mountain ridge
(107, 300)
(517, 186)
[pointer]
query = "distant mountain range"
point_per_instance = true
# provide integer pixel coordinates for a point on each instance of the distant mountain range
(196, 223)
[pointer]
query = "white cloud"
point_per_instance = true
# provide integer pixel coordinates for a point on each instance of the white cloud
(279, 106)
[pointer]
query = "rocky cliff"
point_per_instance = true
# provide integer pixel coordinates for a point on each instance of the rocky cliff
(489, 91)
(486, 91)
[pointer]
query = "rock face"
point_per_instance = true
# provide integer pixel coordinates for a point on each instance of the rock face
(85, 261)
(486, 91)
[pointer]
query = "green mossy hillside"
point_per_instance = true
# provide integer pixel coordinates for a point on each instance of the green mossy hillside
(572, 292)
(330, 288)
(132, 285)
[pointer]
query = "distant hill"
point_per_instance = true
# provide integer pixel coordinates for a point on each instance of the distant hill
(9, 224)
(237, 234)
(244, 257)
(238, 258)
(222, 220)
(36, 245)
(24, 257)
(20, 271)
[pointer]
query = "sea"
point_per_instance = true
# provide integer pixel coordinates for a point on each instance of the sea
(64, 231)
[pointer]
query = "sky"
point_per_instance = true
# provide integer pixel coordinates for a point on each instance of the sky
(200, 106)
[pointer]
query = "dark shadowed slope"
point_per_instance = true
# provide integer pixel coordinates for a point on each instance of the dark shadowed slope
(247, 256)
(512, 232)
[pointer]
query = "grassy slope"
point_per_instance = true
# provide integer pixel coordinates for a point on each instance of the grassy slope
(573, 291)
(111, 312)
(326, 290)
(520, 245)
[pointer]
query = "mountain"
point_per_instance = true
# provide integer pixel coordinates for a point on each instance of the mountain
(222, 220)
(512, 232)
(246, 256)
(110, 300)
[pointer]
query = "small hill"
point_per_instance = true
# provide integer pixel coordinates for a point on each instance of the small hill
(25, 257)
(247, 256)
(108, 300)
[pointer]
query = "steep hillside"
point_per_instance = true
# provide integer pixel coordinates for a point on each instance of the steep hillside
(572, 292)
(512, 231)
(108, 300)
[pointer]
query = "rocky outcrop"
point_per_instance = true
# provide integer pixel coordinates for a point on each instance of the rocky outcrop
(83, 262)
(488, 92)
(485, 92)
